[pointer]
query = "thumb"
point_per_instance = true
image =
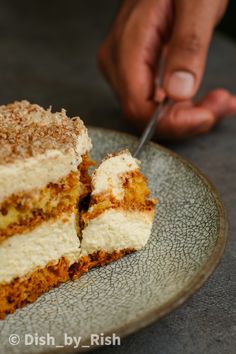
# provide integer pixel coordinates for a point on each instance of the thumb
(187, 50)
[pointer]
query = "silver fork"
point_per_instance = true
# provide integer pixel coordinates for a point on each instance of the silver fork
(149, 131)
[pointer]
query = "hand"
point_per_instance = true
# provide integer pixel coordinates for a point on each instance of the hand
(180, 32)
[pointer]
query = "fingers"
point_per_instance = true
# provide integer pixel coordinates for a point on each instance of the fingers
(129, 56)
(220, 102)
(188, 46)
(137, 53)
(184, 121)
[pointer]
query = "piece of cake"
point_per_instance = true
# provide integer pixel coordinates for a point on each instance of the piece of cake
(55, 221)
(43, 176)
(120, 214)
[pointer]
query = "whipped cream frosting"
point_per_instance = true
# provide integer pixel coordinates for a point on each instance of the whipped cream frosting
(115, 230)
(107, 176)
(37, 172)
(23, 253)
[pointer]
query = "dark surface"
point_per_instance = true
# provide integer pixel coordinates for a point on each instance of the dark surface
(227, 24)
(47, 55)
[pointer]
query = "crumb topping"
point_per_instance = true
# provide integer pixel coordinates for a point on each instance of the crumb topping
(27, 130)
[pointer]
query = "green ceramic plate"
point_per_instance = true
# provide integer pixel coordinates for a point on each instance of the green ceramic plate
(187, 241)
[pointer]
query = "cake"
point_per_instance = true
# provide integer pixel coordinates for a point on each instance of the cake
(57, 222)
(43, 175)
(120, 214)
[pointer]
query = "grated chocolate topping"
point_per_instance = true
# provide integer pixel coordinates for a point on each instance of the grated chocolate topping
(27, 130)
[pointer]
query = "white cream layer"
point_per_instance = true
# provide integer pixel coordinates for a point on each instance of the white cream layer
(107, 176)
(23, 253)
(115, 230)
(37, 172)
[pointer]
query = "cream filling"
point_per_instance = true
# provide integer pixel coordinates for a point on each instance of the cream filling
(107, 176)
(23, 253)
(115, 230)
(37, 172)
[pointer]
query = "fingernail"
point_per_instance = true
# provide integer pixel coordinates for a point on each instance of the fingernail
(181, 84)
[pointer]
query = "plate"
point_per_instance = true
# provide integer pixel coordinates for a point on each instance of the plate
(187, 241)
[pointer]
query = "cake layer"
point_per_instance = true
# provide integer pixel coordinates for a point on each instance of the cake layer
(21, 291)
(23, 253)
(116, 229)
(135, 194)
(36, 172)
(23, 211)
(120, 214)
(96, 259)
(37, 147)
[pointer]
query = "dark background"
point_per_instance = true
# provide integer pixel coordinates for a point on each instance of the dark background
(228, 23)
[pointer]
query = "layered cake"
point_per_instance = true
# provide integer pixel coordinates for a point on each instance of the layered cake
(55, 221)
(120, 214)
(43, 175)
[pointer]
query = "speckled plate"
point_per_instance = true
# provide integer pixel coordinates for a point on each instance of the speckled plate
(187, 241)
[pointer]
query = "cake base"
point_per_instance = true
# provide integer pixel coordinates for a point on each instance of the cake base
(22, 291)
(96, 259)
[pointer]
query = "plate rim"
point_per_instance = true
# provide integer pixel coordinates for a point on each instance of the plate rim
(198, 280)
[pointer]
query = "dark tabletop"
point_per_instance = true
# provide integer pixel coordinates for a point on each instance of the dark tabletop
(47, 55)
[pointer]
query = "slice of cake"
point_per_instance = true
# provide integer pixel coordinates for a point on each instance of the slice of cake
(55, 221)
(120, 214)
(43, 176)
